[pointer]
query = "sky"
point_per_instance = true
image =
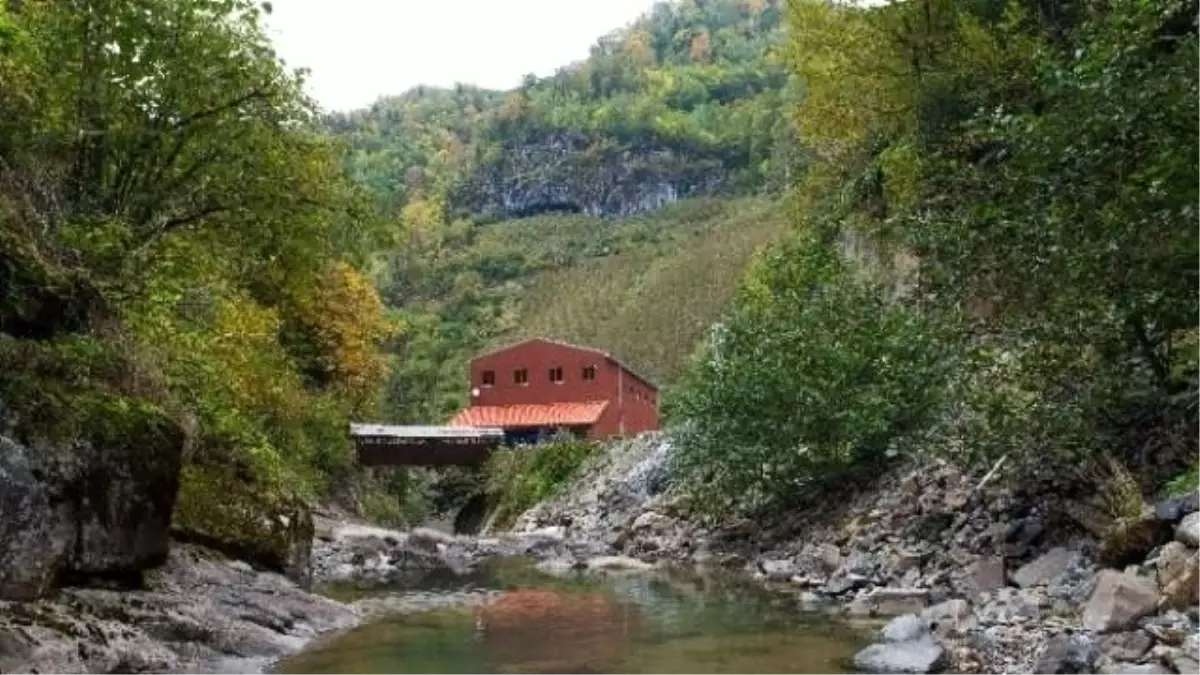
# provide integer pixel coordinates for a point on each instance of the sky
(359, 50)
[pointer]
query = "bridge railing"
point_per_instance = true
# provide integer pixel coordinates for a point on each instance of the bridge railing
(387, 445)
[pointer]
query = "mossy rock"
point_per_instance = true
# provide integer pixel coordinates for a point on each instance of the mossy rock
(262, 525)
(1129, 540)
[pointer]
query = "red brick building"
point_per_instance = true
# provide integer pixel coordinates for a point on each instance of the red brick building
(537, 387)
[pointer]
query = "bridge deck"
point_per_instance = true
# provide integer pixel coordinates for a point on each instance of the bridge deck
(385, 445)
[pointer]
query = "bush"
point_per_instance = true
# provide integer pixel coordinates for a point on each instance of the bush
(519, 478)
(815, 377)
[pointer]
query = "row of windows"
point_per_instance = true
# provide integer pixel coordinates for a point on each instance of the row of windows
(521, 375)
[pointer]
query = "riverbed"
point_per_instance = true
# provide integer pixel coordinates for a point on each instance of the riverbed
(655, 622)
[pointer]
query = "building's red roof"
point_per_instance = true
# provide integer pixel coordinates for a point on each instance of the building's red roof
(530, 415)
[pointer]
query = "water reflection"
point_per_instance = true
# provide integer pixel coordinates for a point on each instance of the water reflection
(631, 624)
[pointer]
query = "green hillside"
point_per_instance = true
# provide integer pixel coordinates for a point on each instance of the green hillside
(651, 303)
(645, 287)
(615, 203)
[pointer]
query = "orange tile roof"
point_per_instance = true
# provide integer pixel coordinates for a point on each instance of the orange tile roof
(530, 415)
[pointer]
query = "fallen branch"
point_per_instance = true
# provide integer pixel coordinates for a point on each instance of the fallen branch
(988, 476)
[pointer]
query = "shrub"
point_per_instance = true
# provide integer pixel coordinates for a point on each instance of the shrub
(814, 377)
(519, 478)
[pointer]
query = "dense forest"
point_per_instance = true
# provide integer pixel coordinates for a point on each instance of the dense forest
(180, 250)
(1017, 183)
(192, 249)
(987, 212)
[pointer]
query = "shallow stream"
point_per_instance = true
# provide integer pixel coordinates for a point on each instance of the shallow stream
(622, 624)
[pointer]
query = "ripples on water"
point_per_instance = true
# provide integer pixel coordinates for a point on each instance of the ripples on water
(627, 624)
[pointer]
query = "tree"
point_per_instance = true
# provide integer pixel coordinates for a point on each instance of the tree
(166, 195)
(639, 49)
(701, 47)
(182, 123)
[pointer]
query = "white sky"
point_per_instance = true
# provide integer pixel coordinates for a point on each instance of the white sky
(359, 50)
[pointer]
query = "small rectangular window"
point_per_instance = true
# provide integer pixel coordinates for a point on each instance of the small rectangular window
(489, 378)
(556, 375)
(521, 376)
(589, 373)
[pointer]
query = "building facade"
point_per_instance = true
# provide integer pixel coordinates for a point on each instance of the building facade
(538, 387)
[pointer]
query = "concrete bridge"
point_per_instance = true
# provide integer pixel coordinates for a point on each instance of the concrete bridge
(384, 445)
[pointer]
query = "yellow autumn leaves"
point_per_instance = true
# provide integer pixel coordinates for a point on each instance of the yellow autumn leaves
(347, 322)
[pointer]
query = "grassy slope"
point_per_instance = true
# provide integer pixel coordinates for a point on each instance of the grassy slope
(646, 288)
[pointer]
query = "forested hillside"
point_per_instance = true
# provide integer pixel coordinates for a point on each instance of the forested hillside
(181, 306)
(1026, 171)
(537, 211)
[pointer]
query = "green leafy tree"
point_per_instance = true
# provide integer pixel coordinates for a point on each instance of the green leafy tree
(166, 194)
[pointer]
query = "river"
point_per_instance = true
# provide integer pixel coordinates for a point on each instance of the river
(631, 623)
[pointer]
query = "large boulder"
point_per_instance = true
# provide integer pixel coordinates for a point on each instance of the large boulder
(1179, 577)
(905, 647)
(261, 524)
(90, 508)
(1188, 530)
(1118, 601)
(1068, 654)
(1174, 508)
(1047, 568)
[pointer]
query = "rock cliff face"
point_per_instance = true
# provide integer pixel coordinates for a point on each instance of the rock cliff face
(565, 172)
(256, 523)
(85, 510)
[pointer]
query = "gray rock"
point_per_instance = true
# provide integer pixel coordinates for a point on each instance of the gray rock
(1178, 574)
(918, 656)
(1173, 620)
(1171, 562)
(908, 561)
(612, 489)
(1047, 568)
(1068, 654)
(1188, 530)
(859, 608)
(616, 562)
(558, 567)
(651, 521)
(948, 616)
(199, 613)
(1126, 668)
(897, 601)
(36, 525)
(1128, 646)
(904, 629)
(1118, 601)
(1175, 507)
(1183, 663)
(1019, 536)
(844, 583)
(85, 510)
(985, 575)
(427, 538)
(778, 570)
(828, 556)
(15, 649)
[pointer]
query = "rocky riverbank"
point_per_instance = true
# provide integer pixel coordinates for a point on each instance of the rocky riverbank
(200, 612)
(205, 612)
(982, 578)
(1002, 579)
